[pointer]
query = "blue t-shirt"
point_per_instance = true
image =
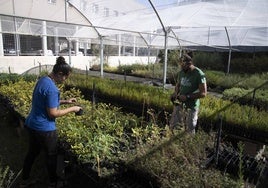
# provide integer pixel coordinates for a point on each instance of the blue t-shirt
(45, 95)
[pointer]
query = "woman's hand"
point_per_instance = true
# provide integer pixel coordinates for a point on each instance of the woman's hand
(71, 100)
(76, 108)
(68, 101)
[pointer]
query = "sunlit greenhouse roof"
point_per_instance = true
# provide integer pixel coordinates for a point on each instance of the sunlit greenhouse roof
(222, 24)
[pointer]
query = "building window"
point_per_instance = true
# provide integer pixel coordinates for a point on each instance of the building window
(95, 8)
(52, 1)
(116, 13)
(84, 5)
(106, 12)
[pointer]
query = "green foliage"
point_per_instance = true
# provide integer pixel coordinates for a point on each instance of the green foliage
(6, 78)
(213, 66)
(172, 57)
(6, 175)
(240, 62)
(209, 61)
(105, 134)
(233, 113)
(173, 162)
(153, 70)
(134, 92)
(258, 98)
(129, 69)
(249, 65)
(246, 81)
(239, 88)
(20, 95)
(97, 67)
(95, 135)
(203, 60)
(158, 98)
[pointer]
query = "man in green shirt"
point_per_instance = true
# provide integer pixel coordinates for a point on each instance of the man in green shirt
(190, 87)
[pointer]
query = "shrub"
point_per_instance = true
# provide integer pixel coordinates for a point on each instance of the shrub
(249, 65)
(209, 61)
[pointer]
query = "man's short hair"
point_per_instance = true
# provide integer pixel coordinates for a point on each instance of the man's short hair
(186, 58)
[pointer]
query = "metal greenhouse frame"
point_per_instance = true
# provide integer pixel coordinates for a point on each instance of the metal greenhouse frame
(226, 25)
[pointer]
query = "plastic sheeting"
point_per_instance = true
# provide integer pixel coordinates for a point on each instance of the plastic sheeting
(200, 23)
(221, 24)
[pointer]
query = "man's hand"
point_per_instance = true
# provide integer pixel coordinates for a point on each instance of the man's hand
(182, 98)
(173, 97)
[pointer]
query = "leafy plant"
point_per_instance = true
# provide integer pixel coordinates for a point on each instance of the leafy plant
(6, 175)
(104, 135)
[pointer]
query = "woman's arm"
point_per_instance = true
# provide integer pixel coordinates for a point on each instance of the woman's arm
(55, 112)
(69, 101)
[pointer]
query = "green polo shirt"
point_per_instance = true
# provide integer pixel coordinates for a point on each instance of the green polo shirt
(189, 83)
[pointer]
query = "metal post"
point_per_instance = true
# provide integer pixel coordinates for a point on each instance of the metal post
(101, 56)
(166, 39)
(1, 40)
(165, 61)
(230, 51)
(44, 38)
(218, 141)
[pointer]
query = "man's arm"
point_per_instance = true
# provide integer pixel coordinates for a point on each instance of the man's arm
(201, 94)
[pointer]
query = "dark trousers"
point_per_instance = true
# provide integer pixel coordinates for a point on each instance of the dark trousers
(39, 140)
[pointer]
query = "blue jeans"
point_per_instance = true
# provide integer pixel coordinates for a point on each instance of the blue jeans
(39, 140)
(184, 117)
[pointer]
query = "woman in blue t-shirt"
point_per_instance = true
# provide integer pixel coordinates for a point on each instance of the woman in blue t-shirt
(41, 121)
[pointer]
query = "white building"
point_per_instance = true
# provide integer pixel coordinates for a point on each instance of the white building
(35, 32)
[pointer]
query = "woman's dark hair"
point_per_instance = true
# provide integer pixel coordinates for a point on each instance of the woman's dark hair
(61, 66)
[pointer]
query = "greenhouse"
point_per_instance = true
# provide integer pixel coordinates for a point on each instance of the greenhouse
(210, 25)
(125, 55)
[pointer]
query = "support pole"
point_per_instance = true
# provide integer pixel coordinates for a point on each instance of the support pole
(119, 44)
(230, 51)
(165, 61)
(17, 39)
(166, 39)
(70, 51)
(101, 56)
(56, 42)
(149, 54)
(1, 40)
(76, 43)
(44, 38)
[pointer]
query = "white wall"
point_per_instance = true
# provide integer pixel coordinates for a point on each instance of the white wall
(20, 64)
